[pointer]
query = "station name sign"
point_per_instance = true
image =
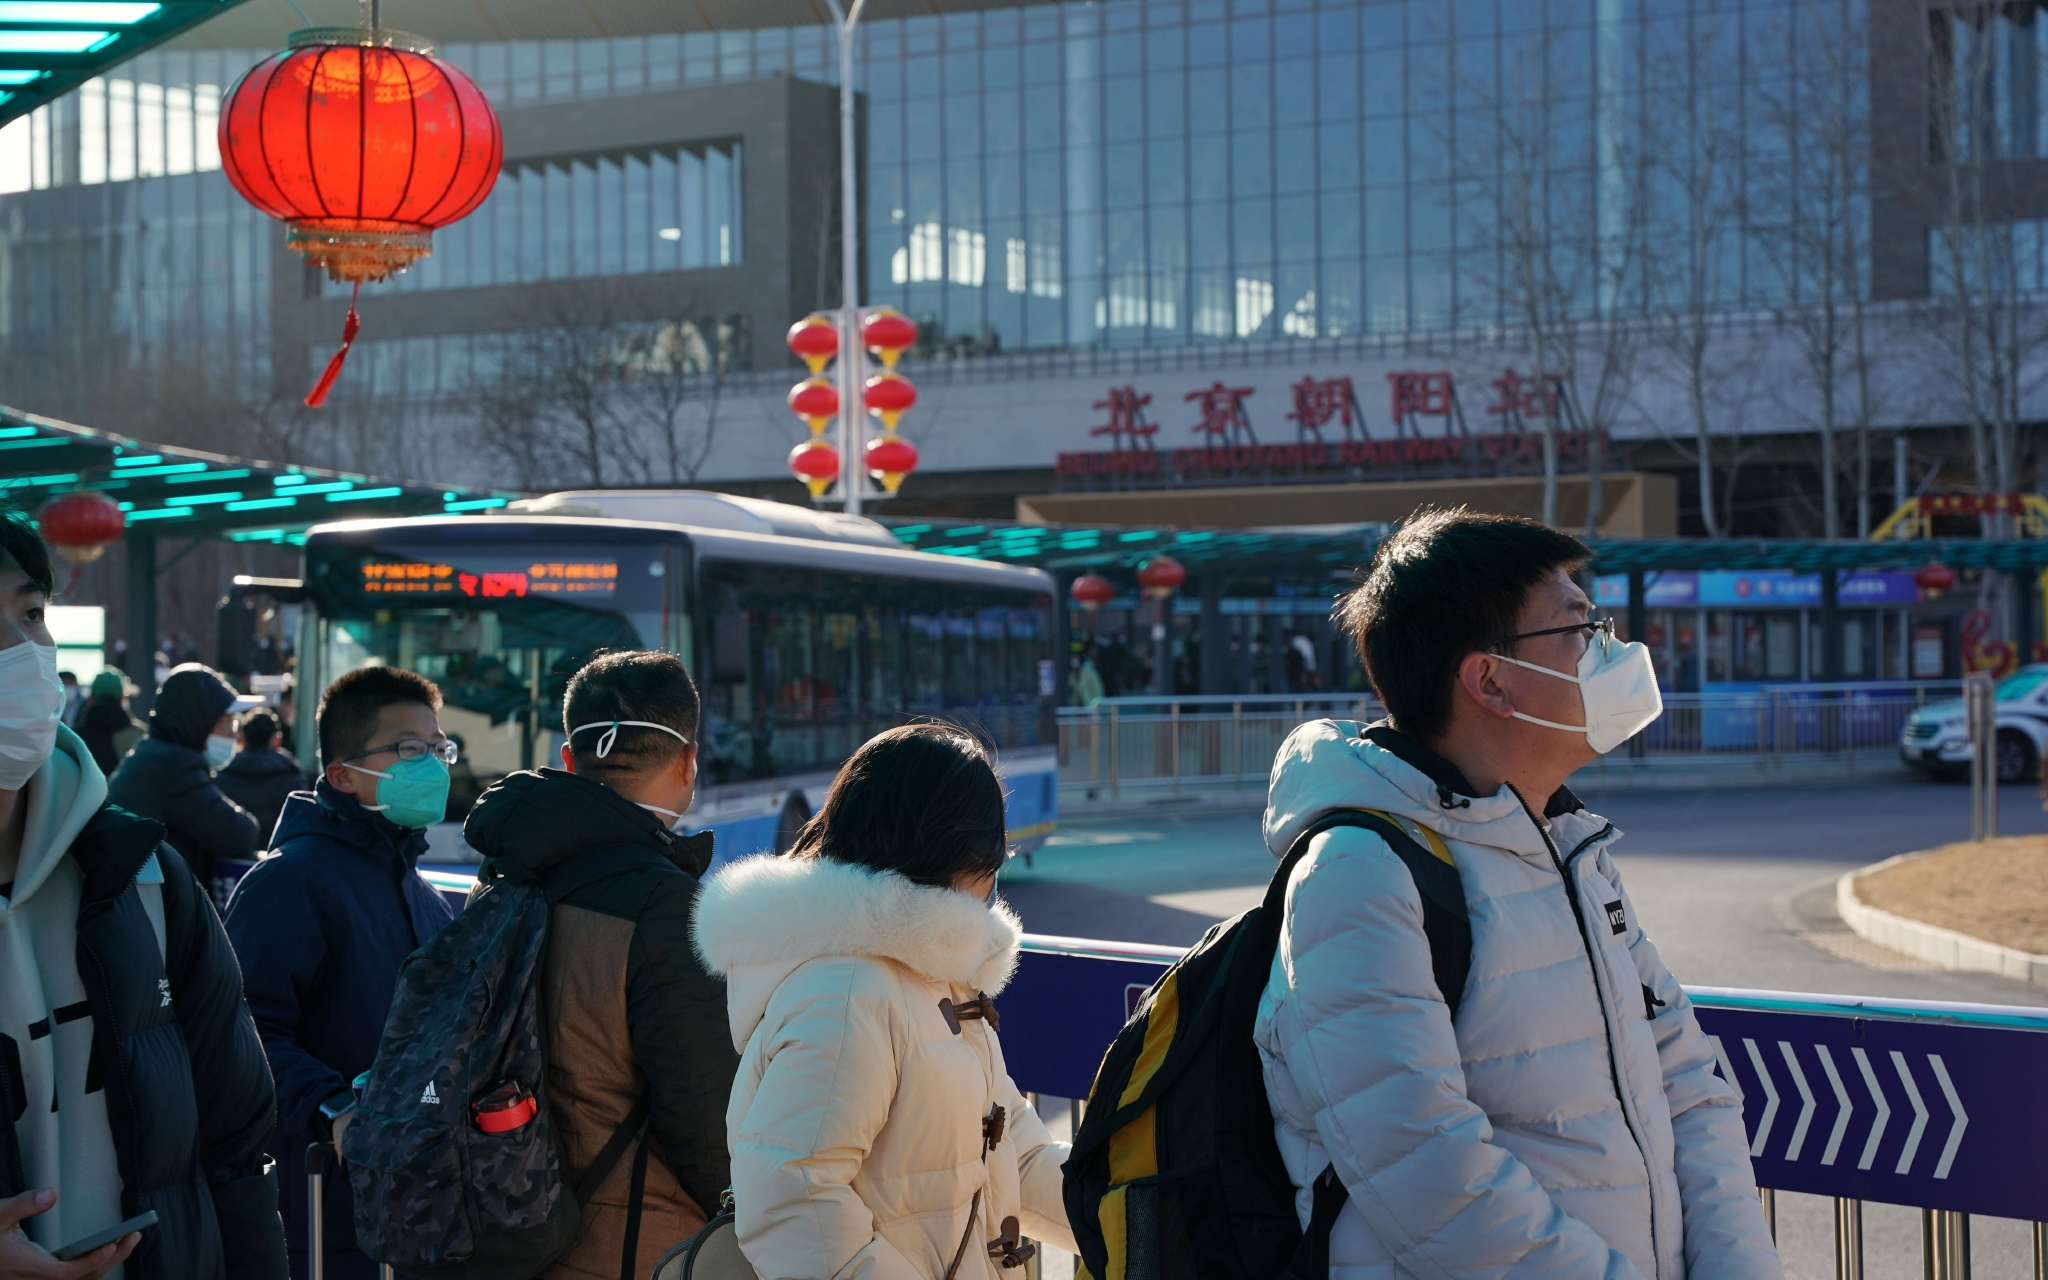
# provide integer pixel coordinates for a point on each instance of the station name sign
(1426, 434)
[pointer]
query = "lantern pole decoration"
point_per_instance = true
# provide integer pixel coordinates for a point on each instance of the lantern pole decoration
(81, 524)
(1091, 591)
(815, 340)
(1161, 576)
(888, 395)
(362, 143)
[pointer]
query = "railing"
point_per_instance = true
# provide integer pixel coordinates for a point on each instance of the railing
(1228, 740)
(1909, 1102)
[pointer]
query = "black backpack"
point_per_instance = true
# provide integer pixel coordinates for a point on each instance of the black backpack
(1175, 1173)
(436, 1196)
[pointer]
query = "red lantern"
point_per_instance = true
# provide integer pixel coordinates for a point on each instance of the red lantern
(890, 458)
(888, 333)
(363, 142)
(888, 394)
(1161, 576)
(816, 464)
(1091, 591)
(814, 400)
(1934, 577)
(82, 524)
(815, 340)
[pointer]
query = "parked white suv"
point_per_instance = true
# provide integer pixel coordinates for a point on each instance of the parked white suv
(1937, 740)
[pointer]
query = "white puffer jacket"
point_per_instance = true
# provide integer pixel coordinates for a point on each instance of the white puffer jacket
(856, 1120)
(1567, 1127)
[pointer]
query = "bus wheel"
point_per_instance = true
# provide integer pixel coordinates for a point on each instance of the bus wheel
(794, 815)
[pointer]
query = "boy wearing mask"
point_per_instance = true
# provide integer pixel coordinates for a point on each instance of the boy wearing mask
(323, 922)
(118, 992)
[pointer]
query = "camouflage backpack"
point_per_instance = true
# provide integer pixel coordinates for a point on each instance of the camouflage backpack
(452, 1155)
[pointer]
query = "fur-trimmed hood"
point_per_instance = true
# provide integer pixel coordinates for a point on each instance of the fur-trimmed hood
(759, 919)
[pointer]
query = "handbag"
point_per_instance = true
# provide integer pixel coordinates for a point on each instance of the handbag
(711, 1254)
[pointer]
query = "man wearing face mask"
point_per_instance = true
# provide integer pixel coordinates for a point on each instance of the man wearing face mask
(323, 922)
(1569, 1122)
(131, 1078)
(169, 775)
(635, 1024)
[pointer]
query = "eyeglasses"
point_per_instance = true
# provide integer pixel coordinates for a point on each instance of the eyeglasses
(1593, 627)
(413, 748)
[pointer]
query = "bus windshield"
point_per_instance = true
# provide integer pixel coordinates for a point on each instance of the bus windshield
(500, 629)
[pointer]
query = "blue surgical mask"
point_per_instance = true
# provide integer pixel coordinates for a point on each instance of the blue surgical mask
(414, 792)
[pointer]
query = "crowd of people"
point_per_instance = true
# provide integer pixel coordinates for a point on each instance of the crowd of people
(812, 1039)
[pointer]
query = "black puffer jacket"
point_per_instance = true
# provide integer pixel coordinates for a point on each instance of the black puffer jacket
(631, 1010)
(166, 777)
(189, 1097)
(261, 779)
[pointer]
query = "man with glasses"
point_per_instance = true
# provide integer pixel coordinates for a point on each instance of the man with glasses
(326, 918)
(1566, 1120)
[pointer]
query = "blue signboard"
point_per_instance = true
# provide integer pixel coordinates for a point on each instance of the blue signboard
(1757, 589)
(1904, 1102)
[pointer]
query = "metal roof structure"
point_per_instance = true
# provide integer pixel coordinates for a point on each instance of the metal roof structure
(1309, 553)
(187, 493)
(50, 47)
(261, 24)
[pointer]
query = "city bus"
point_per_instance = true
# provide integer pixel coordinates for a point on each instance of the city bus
(807, 633)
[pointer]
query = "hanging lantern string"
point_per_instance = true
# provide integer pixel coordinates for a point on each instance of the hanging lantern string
(318, 395)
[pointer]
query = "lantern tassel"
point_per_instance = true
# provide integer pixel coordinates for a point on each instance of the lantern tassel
(349, 327)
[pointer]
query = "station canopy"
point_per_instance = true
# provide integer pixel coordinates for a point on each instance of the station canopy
(50, 47)
(187, 493)
(1302, 554)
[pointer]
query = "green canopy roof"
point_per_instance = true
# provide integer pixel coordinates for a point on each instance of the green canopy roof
(1314, 553)
(186, 493)
(50, 47)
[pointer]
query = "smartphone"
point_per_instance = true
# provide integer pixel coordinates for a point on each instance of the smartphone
(100, 1239)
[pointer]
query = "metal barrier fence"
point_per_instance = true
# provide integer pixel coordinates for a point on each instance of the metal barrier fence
(1907, 1102)
(1227, 740)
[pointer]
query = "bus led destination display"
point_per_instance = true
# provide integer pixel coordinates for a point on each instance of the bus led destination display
(588, 578)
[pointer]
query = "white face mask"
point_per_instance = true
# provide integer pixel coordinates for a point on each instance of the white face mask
(219, 750)
(31, 700)
(611, 735)
(675, 824)
(1617, 686)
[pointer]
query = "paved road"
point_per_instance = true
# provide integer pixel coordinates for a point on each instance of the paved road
(1735, 886)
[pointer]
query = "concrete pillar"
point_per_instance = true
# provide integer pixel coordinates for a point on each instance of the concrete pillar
(1830, 625)
(1215, 636)
(142, 636)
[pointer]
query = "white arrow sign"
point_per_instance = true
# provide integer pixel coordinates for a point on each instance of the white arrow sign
(1795, 1147)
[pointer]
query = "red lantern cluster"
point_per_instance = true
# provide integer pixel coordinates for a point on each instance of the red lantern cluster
(81, 525)
(363, 143)
(888, 395)
(815, 340)
(1091, 591)
(1161, 576)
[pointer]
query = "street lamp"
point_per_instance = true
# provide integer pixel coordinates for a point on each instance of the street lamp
(853, 480)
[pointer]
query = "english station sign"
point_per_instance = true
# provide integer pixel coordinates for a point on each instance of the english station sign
(1332, 440)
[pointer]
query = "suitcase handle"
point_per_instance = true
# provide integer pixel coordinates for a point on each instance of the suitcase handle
(321, 1164)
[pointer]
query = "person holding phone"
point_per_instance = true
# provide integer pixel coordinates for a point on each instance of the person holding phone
(131, 1078)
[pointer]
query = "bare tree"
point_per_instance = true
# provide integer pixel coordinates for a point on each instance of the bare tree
(1559, 180)
(676, 377)
(1812, 199)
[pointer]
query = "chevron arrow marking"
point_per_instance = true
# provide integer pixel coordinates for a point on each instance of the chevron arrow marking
(1827, 1061)
(1955, 1105)
(1919, 1114)
(1763, 1073)
(1727, 1067)
(1798, 1142)
(1884, 1110)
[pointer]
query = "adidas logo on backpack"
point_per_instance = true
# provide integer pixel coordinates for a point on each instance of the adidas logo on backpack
(438, 1196)
(1196, 1185)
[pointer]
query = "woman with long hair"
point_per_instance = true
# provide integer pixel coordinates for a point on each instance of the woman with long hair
(875, 1130)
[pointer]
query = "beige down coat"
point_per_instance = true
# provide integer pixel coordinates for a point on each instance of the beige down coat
(856, 1122)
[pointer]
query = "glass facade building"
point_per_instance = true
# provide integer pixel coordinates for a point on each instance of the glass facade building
(1120, 173)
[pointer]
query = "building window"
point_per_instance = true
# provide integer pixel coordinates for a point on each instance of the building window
(1988, 64)
(676, 208)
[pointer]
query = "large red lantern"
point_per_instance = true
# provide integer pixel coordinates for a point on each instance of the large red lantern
(363, 143)
(82, 524)
(890, 458)
(887, 395)
(814, 400)
(1161, 576)
(816, 464)
(1091, 591)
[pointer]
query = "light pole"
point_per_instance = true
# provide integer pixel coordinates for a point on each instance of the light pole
(852, 371)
